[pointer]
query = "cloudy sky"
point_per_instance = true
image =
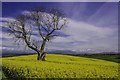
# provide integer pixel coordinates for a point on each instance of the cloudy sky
(92, 26)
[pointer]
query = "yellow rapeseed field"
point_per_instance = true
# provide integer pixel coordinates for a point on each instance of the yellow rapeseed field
(58, 66)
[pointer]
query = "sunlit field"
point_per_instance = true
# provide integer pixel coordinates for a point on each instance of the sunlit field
(58, 66)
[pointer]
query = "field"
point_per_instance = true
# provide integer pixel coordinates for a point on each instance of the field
(58, 66)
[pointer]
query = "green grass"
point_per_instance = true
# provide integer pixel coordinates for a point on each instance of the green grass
(108, 57)
(58, 66)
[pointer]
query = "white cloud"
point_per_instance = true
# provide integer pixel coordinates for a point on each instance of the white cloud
(6, 19)
(6, 48)
(85, 30)
(105, 17)
(86, 37)
(82, 37)
(81, 31)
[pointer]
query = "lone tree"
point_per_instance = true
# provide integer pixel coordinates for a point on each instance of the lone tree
(36, 27)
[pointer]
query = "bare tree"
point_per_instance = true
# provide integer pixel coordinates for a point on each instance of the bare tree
(41, 23)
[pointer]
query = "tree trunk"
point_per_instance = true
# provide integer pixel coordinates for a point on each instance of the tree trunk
(38, 58)
(42, 57)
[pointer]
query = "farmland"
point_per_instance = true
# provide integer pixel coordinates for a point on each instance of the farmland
(58, 66)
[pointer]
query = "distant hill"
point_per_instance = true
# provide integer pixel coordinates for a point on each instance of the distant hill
(12, 53)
